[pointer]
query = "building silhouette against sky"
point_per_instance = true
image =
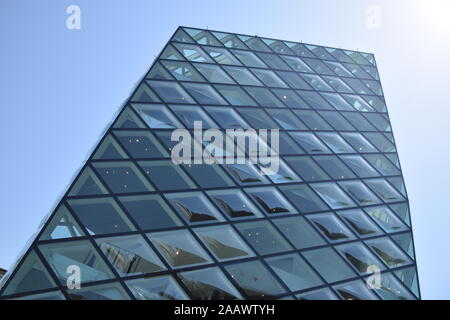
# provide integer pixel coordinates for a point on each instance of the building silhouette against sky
(138, 226)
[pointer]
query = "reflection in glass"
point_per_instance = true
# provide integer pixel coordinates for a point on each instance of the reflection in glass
(264, 97)
(392, 289)
(380, 141)
(179, 248)
(269, 78)
(278, 46)
(157, 288)
(204, 93)
(290, 98)
(318, 66)
(294, 271)
(359, 222)
(254, 43)
(358, 121)
(386, 250)
(170, 91)
(189, 114)
(356, 290)
(229, 40)
(109, 149)
(144, 94)
(358, 142)
(309, 142)
(141, 144)
(245, 174)
(329, 264)
(294, 80)
(286, 119)
(334, 167)
(182, 71)
(209, 284)
(283, 175)
(32, 276)
(384, 190)
(303, 198)
(235, 95)
(100, 215)
(382, 164)
(202, 37)
(273, 61)
(359, 192)
(54, 295)
(335, 142)
(128, 120)
(150, 212)
(312, 120)
(194, 206)
(62, 225)
(234, 203)
(332, 228)
(213, 73)
(130, 255)
(297, 64)
(263, 237)
(333, 195)
(301, 234)
(242, 76)
(209, 175)
(254, 279)
(270, 200)
(337, 120)
(166, 176)
(321, 294)
(171, 54)
(307, 168)
(360, 257)
(227, 118)
(156, 116)
(386, 219)
(359, 166)
(193, 52)
(224, 242)
(122, 177)
(110, 291)
(61, 255)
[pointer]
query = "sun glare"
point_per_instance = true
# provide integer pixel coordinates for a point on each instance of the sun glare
(436, 13)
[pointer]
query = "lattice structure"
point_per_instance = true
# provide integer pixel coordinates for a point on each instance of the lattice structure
(140, 227)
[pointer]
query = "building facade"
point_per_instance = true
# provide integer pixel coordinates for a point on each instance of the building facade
(332, 222)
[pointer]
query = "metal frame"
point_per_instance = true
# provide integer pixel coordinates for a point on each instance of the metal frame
(231, 222)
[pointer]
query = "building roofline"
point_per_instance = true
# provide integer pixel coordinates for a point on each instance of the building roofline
(304, 43)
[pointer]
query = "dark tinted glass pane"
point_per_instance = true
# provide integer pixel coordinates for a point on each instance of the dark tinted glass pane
(100, 216)
(335, 167)
(263, 237)
(156, 288)
(307, 168)
(254, 278)
(209, 284)
(167, 176)
(209, 176)
(32, 276)
(303, 198)
(122, 177)
(130, 255)
(299, 232)
(150, 212)
(141, 144)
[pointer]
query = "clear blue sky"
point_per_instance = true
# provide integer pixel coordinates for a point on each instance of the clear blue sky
(59, 88)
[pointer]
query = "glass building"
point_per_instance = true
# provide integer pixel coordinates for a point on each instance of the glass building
(334, 217)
